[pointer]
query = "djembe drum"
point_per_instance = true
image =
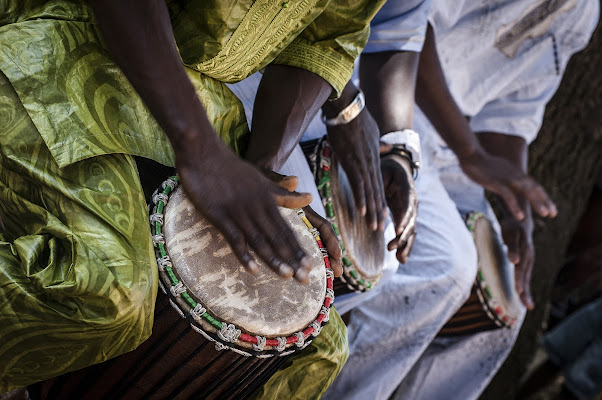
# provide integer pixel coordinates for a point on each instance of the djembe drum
(363, 250)
(219, 331)
(493, 301)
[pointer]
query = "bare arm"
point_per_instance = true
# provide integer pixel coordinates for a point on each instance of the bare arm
(494, 173)
(288, 98)
(139, 35)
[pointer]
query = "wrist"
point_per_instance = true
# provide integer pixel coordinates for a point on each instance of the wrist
(332, 108)
(405, 144)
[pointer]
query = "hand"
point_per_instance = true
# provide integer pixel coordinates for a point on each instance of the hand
(400, 192)
(356, 148)
(518, 237)
(241, 203)
(499, 176)
(329, 238)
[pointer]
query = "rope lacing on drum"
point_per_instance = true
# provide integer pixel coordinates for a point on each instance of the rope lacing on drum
(164, 262)
(300, 213)
(330, 293)
(326, 312)
(300, 339)
(157, 217)
(160, 197)
(281, 343)
(158, 238)
(317, 328)
(220, 346)
(314, 232)
(329, 273)
(169, 182)
(177, 289)
(260, 343)
(198, 311)
(228, 333)
(324, 252)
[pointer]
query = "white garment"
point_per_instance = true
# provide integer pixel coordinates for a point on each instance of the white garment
(391, 337)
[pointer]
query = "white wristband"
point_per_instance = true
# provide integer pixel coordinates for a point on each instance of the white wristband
(407, 138)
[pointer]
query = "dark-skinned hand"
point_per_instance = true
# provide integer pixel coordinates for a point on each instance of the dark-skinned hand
(329, 238)
(356, 145)
(402, 198)
(499, 176)
(246, 212)
(518, 237)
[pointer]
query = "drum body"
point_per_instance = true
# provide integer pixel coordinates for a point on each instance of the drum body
(219, 331)
(493, 301)
(363, 249)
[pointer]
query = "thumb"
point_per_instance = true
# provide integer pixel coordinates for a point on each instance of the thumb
(289, 183)
(285, 198)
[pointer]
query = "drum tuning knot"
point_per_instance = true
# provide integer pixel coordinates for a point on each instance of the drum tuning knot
(164, 262)
(219, 346)
(281, 343)
(159, 238)
(324, 252)
(228, 333)
(177, 289)
(326, 312)
(160, 197)
(300, 339)
(330, 293)
(260, 343)
(314, 232)
(198, 311)
(329, 273)
(169, 182)
(157, 218)
(317, 328)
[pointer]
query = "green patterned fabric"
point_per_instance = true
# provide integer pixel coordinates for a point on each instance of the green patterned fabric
(82, 104)
(307, 375)
(78, 274)
(77, 271)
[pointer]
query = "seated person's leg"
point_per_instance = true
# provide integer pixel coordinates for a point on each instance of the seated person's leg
(77, 268)
(388, 333)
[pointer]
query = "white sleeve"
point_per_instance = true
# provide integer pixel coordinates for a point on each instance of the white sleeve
(519, 113)
(400, 25)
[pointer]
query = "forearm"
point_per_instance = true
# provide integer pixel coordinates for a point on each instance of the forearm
(512, 148)
(388, 81)
(436, 101)
(139, 35)
(287, 100)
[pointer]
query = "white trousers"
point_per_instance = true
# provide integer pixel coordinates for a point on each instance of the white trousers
(392, 335)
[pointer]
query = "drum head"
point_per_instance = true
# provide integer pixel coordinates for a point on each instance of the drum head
(365, 248)
(495, 276)
(263, 304)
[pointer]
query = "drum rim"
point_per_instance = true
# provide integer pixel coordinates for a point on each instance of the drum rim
(321, 162)
(228, 336)
(499, 315)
